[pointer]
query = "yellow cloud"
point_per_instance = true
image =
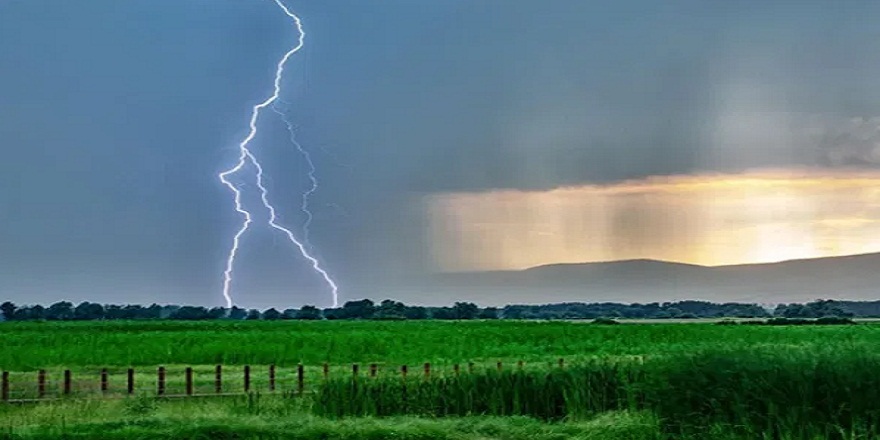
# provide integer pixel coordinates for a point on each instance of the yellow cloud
(712, 219)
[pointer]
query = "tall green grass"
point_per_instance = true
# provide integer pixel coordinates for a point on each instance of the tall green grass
(833, 392)
(589, 388)
(793, 393)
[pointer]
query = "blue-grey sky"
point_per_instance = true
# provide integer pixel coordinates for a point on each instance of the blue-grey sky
(115, 118)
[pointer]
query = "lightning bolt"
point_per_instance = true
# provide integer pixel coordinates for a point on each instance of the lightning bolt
(245, 157)
(304, 207)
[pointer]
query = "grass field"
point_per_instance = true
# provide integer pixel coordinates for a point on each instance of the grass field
(30, 346)
(642, 381)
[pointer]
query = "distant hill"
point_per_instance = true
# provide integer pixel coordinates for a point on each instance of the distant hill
(854, 277)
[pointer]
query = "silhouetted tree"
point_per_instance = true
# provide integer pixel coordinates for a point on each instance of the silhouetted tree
(308, 313)
(272, 315)
(415, 312)
(33, 313)
(333, 314)
(217, 313)
(191, 313)
(237, 313)
(362, 309)
(488, 313)
(60, 311)
(87, 311)
(465, 310)
(154, 311)
(443, 313)
(8, 309)
(390, 310)
(253, 315)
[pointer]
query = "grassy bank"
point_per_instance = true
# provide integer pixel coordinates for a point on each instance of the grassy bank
(279, 418)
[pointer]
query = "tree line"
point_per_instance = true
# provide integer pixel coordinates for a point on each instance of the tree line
(395, 310)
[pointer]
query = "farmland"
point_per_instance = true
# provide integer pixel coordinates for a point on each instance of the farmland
(619, 381)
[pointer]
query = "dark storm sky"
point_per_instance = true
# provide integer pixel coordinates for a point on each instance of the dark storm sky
(116, 116)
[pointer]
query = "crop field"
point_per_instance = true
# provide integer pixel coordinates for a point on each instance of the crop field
(487, 379)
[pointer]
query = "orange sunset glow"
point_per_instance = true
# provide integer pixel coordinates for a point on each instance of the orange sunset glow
(713, 219)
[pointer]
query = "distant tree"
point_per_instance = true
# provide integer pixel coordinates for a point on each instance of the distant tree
(154, 311)
(288, 314)
(390, 310)
(30, 313)
(87, 311)
(253, 315)
(191, 313)
(822, 308)
(217, 313)
(113, 312)
(272, 315)
(8, 309)
(133, 311)
(488, 313)
(60, 311)
(333, 313)
(465, 310)
(309, 313)
(513, 312)
(362, 309)
(168, 311)
(415, 312)
(797, 311)
(237, 313)
(674, 312)
(443, 313)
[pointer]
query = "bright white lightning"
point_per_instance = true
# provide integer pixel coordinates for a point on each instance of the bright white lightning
(245, 155)
(304, 207)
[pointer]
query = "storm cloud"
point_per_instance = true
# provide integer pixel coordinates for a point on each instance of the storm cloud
(116, 116)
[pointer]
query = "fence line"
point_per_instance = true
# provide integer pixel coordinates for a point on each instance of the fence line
(161, 384)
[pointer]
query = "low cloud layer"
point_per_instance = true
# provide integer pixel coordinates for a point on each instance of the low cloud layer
(714, 219)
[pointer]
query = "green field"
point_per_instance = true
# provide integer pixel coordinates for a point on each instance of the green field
(634, 381)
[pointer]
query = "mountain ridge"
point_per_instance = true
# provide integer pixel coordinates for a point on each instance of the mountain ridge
(849, 277)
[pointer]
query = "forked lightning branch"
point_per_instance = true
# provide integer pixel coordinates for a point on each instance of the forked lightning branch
(246, 156)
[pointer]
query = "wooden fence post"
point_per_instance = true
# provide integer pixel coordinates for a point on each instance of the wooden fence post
(300, 378)
(67, 383)
(4, 386)
(189, 381)
(160, 382)
(272, 377)
(130, 381)
(41, 384)
(470, 367)
(519, 364)
(354, 370)
(561, 363)
(455, 369)
(499, 365)
(218, 379)
(427, 370)
(374, 369)
(403, 370)
(326, 371)
(104, 382)
(247, 378)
